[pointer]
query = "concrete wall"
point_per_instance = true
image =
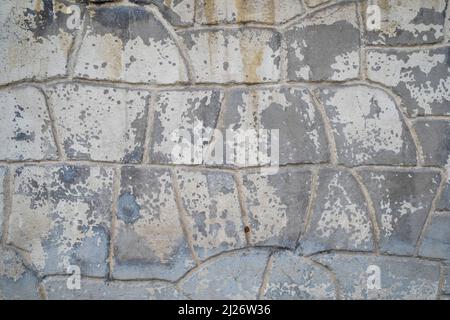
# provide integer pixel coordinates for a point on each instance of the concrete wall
(93, 94)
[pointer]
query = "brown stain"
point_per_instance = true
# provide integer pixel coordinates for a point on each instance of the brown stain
(384, 4)
(210, 11)
(38, 6)
(168, 3)
(252, 58)
(248, 11)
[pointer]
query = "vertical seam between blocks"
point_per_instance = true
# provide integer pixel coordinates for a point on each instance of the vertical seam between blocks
(113, 219)
(237, 175)
(265, 276)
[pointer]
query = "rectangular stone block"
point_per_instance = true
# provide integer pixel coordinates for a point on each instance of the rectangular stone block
(420, 77)
(276, 205)
(149, 241)
(61, 217)
(236, 55)
(100, 123)
(26, 131)
(214, 217)
(324, 46)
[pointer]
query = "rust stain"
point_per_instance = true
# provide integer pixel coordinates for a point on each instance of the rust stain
(210, 11)
(248, 10)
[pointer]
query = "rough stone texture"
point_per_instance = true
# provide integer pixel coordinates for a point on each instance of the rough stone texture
(213, 213)
(420, 77)
(232, 277)
(297, 278)
(434, 136)
(402, 201)
(16, 280)
(193, 149)
(29, 135)
(408, 22)
(60, 216)
(436, 241)
(90, 122)
(401, 278)
(36, 38)
(276, 206)
(190, 114)
(324, 46)
(291, 111)
(248, 55)
(2, 197)
(367, 126)
(177, 13)
(93, 289)
(340, 217)
(149, 243)
(129, 44)
(241, 11)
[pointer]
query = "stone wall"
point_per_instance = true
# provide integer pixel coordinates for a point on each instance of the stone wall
(91, 93)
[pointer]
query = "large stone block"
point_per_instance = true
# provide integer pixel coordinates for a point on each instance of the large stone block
(98, 289)
(61, 216)
(340, 217)
(214, 218)
(249, 55)
(100, 123)
(434, 136)
(149, 241)
(436, 240)
(402, 201)
(130, 44)
(183, 123)
(276, 205)
(406, 23)
(17, 281)
(26, 131)
(36, 38)
(367, 126)
(241, 11)
(420, 77)
(324, 46)
(399, 278)
(237, 276)
(296, 278)
(262, 115)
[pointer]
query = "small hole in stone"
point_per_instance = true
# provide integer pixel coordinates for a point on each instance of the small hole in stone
(247, 229)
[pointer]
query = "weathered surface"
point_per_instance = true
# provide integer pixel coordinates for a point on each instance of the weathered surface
(287, 112)
(149, 241)
(434, 136)
(294, 277)
(16, 280)
(183, 123)
(241, 11)
(446, 287)
(436, 241)
(60, 215)
(213, 213)
(408, 22)
(29, 135)
(340, 217)
(36, 38)
(231, 277)
(420, 77)
(402, 201)
(324, 46)
(90, 122)
(2, 197)
(177, 13)
(276, 206)
(129, 44)
(248, 55)
(96, 289)
(401, 278)
(367, 126)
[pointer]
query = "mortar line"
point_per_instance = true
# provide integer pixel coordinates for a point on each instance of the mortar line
(327, 127)
(182, 215)
(437, 197)
(337, 285)
(265, 276)
(244, 212)
(72, 56)
(8, 191)
(311, 203)
(151, 110)
(42, 291)
(441, 281)
(362, 44)
(372, 212)
(113, 225)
